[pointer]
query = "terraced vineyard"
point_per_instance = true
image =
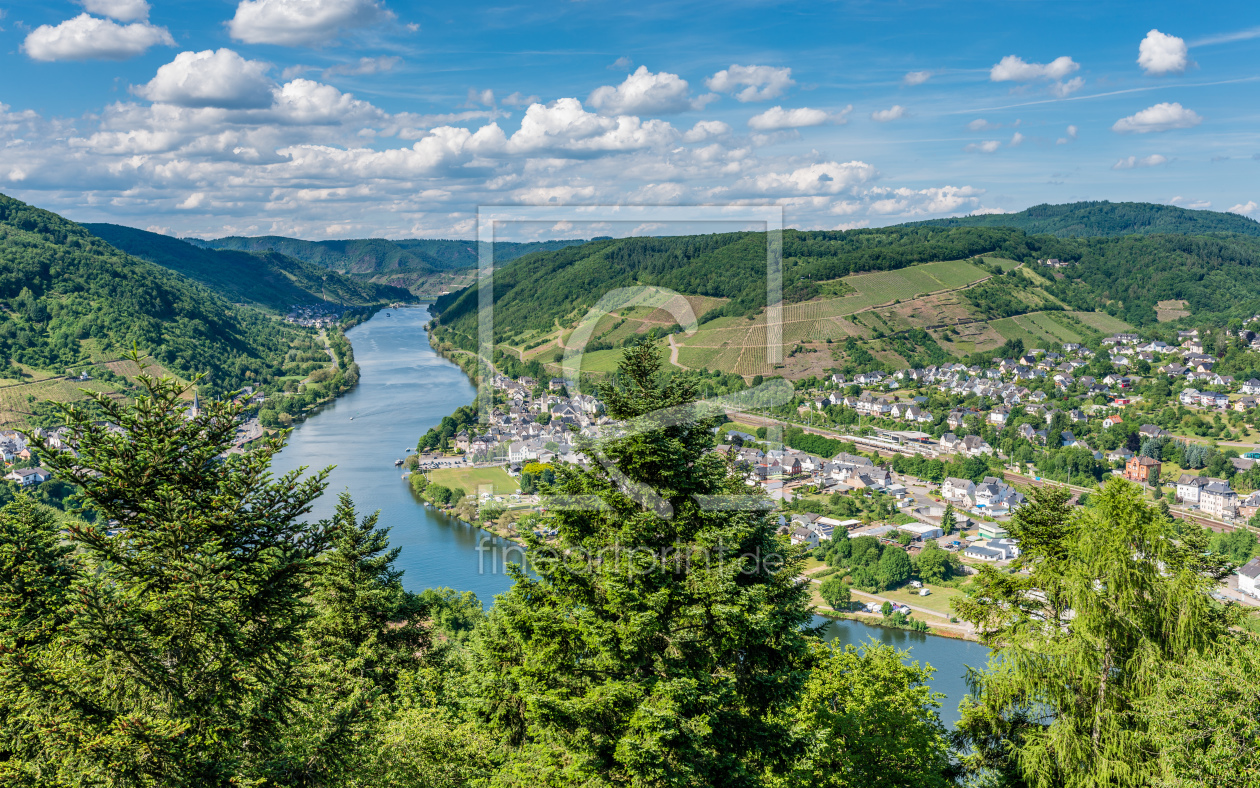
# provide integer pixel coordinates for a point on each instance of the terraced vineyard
(883, 303)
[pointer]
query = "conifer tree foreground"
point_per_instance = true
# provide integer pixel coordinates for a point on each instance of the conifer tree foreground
(163, 647)
(1113, 600)
(615, 667)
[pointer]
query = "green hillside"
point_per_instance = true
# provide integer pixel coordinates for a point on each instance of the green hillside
(1105, 219)
(268, 278)
(381, 256)
(534, 291)
(886, 297)
(70, 299)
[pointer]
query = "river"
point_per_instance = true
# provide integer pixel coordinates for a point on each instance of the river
(405, 388)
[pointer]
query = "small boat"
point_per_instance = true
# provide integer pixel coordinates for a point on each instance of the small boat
(398, 462)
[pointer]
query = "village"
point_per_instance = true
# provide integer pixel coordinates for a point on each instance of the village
(1010, 419)
(319, 315)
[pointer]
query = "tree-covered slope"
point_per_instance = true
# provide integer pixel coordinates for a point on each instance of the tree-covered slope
(1107, 218)
(69, 297)
(1125, 275)
(536, 290)
(380, 256)
(268, 278)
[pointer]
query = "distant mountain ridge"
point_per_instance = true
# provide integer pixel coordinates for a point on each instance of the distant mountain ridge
(376, 256)
(1103, 218)
(264, 277)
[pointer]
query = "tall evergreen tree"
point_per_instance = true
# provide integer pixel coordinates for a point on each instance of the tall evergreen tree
(1113, 597)
(177, 651)
(662, 639)
(365, 635)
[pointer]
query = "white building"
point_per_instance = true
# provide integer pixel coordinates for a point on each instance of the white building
(1248, 575)
(923, 531)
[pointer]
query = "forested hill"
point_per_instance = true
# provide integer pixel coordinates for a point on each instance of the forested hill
(535, 290)
(269, 278)
(1217, 275)
(70, 298)
(1107, 218)
(381, 256)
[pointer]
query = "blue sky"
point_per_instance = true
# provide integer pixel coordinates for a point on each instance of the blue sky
(352, 118)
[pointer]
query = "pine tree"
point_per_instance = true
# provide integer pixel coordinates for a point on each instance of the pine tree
(177, 653)
(662, 639)
(366, 634)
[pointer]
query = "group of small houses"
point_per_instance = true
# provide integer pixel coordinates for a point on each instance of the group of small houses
(13, 448)
(1004, 381)
(314, 315)
(516, 434)
(991, 497)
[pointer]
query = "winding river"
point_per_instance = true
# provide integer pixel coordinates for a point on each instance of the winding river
(405, 388)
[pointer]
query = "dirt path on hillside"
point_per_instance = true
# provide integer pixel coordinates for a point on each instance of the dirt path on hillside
(673, 353)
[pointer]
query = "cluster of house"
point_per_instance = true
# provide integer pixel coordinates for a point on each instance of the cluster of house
(517, 432)
(1215, 497)
(776, 468)
(314, 315)
(13, 448)
(993, 542)
(992, 496)
(1054, 262)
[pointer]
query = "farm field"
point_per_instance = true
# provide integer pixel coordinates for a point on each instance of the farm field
(1023, 329)
(1101, 321)
(739, 345)
(471, 479)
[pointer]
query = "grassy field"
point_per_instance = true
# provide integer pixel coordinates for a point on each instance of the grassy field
(1101, 321)
(1002, 261)
(1018, 328)
(1046, 322)
(938, 600)
(471, 479)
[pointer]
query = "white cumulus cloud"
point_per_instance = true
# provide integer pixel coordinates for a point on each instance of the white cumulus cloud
(1013, 69)
(916, 77)
(645, 92)
(1160, 117)
(829, 177)
(706, 129)
(122, 10)
(1160, 53)
(1067, 87)
(88, 38)
(1016, 139)
(759, 83)
(301, 22)
(564, 125)
(1071, 135)
(211, 78)
(777, 118)
(892, 113)
(1246, 208)
(1133, 162)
